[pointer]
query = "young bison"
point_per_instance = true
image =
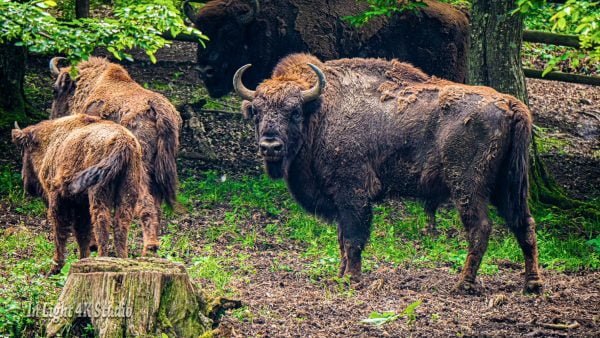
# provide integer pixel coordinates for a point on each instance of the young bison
(84, 168)
(385, 129)
(105, 89)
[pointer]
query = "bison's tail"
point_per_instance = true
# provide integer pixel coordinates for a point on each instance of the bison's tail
(168, 124)
(106, 171)
(513, 183)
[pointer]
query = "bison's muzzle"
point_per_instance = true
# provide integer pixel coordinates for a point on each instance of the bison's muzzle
(271, 148)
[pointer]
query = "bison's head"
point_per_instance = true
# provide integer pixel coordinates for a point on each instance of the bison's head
(279, 109)
(26, 141)
(226, 24)
(64, 88)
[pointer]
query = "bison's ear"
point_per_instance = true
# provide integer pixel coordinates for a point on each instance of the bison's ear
(247, 109)
(95, 108)
(64, 85)
(22, 138)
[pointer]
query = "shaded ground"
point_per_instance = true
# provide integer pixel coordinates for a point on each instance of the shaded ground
(275, 278)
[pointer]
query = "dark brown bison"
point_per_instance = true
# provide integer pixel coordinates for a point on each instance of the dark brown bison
(84, 168)
(105, 89)
(434, 38)
(381, 129)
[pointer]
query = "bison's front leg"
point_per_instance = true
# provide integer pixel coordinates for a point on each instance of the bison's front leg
(354, 225)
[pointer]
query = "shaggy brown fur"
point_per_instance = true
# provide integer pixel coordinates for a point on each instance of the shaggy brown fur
(435, 37)
(105, 89)
(385, 129)
(84, 168)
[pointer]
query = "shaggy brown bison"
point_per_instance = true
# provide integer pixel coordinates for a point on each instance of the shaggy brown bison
(380, 129)
(260, 32)
(105, 89)
(84, 168)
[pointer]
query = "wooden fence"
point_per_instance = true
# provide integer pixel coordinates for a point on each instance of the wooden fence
(559, 40)
(528, 36)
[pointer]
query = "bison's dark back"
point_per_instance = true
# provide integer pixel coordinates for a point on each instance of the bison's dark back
(435, 39)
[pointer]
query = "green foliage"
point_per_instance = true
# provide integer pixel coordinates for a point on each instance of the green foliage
(11, 191)
(378, 319)
(383, 7)
(572, 17)
(134, 25)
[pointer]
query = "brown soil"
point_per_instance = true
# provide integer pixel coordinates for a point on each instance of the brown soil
(286, 302)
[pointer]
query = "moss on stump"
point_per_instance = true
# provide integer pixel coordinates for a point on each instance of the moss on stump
(127, 298)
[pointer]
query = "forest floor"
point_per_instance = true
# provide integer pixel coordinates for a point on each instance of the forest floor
(241, 235)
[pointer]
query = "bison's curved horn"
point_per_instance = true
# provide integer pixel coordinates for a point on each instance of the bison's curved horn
(54, 64)
(315, 92)
(248, 17)
(17, 126)
(239, 87)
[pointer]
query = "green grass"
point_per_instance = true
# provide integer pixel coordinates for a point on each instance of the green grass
(565, 244)
(244, 214)
(11, 191)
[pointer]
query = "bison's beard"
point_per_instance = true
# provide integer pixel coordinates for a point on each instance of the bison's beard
(275, 169)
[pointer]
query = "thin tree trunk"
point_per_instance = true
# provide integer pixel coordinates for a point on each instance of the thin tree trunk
(12, 74)
(495, 53)
(82, 8)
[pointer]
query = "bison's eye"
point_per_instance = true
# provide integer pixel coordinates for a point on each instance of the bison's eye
(297, 115)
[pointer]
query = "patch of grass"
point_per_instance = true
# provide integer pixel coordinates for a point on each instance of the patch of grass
(397, 233)
(548, 142)
(11, 191)
(211, 269)
(25, 258)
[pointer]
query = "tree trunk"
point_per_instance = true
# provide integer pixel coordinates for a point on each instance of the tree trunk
(495, 61)
(129, 298)
(495, 53)
(82, 8)
(12, 74)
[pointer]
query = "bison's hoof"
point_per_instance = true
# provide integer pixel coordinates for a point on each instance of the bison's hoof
(150, 250)
(534, 286)
(55, 270)
(466, 287)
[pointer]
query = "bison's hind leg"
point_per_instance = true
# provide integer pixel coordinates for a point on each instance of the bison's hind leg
(525, 233)
(61, 228)
(430, 209)
(100, 207)
(125, 209)
(83, 232)
(476, 222)
(148, 211)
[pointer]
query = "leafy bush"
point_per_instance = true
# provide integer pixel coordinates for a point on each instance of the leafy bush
(134, 25)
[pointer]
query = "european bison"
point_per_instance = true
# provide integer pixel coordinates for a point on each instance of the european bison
(385, 129)
(260, 32)
(105, 89)
(84, 168)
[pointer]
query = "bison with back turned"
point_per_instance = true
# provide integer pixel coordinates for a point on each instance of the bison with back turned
(84, 168)
(347, 133)
(105, 89)
(434, 37)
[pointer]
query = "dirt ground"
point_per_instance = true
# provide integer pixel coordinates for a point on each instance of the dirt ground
(287, 303)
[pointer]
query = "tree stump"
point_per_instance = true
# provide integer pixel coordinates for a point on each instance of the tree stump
(129, 297)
